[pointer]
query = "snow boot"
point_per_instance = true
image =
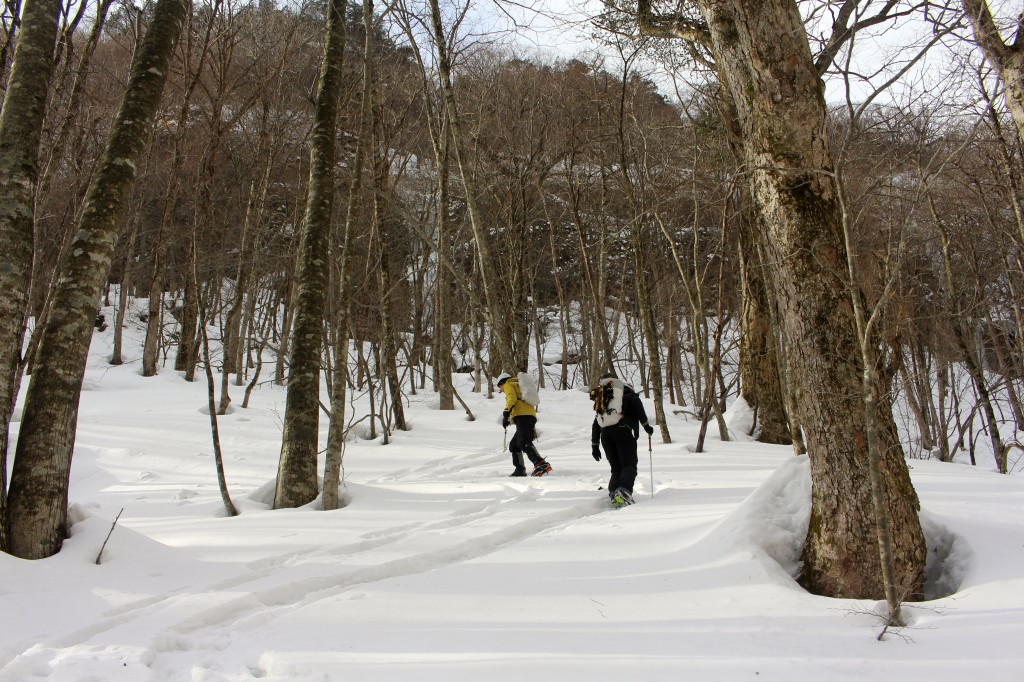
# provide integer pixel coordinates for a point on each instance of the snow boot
(542, 468)
(621, 498)
(517, 472)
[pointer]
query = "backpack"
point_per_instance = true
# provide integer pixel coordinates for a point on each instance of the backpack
(607, 397)
(528, 391)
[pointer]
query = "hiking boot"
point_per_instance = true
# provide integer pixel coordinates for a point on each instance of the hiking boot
(541, 469)
(621, 498)
(517, 472)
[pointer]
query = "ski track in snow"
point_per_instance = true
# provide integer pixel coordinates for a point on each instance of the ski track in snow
(241, 616)
(447, 468)
(462, 536)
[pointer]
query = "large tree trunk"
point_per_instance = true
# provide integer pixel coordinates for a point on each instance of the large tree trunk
(20, 126)
(39, 483)
(297, 468)
(762, 51)
(1008, 60)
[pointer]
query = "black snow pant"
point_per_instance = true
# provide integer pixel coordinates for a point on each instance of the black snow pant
(619, 444)
(522, 441)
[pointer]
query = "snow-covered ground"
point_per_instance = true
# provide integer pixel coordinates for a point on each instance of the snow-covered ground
(443, 568)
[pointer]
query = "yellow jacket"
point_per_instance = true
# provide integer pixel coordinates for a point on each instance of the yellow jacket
(514, 403)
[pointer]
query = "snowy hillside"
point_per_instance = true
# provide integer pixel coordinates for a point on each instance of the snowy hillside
(443, 568)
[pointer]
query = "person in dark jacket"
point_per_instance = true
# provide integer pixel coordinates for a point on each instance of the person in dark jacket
(620, 414)
(521, 413)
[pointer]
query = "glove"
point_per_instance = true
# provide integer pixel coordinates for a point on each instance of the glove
(648, 428)
(505, 421)
(596, 452)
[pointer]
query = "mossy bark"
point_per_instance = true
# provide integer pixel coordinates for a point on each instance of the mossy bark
(39, 482)
(21, 122)
(297, 467)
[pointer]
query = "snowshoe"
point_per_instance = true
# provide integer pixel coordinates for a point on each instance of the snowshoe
(621, 498)
(541, 469)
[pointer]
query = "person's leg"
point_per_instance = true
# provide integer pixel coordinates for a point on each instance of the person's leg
(625, 447)
(516, 448)
(611, 453)
(525, 427)
(519, 467)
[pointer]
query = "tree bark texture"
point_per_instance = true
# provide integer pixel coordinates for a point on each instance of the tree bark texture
(650, 331)
(297, 468)
(762, 50)
(21, 122)
(759, 363)
(39, 483)
(188, 339)
(1008, 60)
(442, 315)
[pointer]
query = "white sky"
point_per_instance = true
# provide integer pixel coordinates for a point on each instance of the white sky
(562, 29)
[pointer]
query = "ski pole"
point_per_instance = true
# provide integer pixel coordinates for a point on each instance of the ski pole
(504, 446)
(650, 458)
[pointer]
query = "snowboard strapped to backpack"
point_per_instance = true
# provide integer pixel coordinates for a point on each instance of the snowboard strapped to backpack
(607, 397)
(528, 391)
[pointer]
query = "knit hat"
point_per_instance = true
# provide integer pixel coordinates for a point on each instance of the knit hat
(503, 378)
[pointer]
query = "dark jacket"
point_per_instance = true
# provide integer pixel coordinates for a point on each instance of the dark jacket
(633, 415)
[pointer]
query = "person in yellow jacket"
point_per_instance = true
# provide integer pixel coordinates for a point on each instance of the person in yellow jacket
(524, 416)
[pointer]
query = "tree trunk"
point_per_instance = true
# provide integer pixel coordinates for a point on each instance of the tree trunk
(388, 367)
(1008, 60)
(759, 363)
(122, 291)
(39, 483)
(643, 293)
(281, 365)
(218, 456)
(58, 144)
(762, 51)
(187, 346)
(297, 469)
(497, 315)
(442, 306)
(188, 341)
(21, 124)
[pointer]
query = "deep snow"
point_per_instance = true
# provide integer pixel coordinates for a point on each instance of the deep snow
(443, 568)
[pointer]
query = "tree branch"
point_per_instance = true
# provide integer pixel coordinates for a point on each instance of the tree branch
(987, 33)
(671, 25)
(842, 32)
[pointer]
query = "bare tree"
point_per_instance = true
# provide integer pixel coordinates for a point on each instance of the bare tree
(762, 55)
(1006, 57)
(297, 469)
(39, 483)
(495, 311)
(20, 124)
